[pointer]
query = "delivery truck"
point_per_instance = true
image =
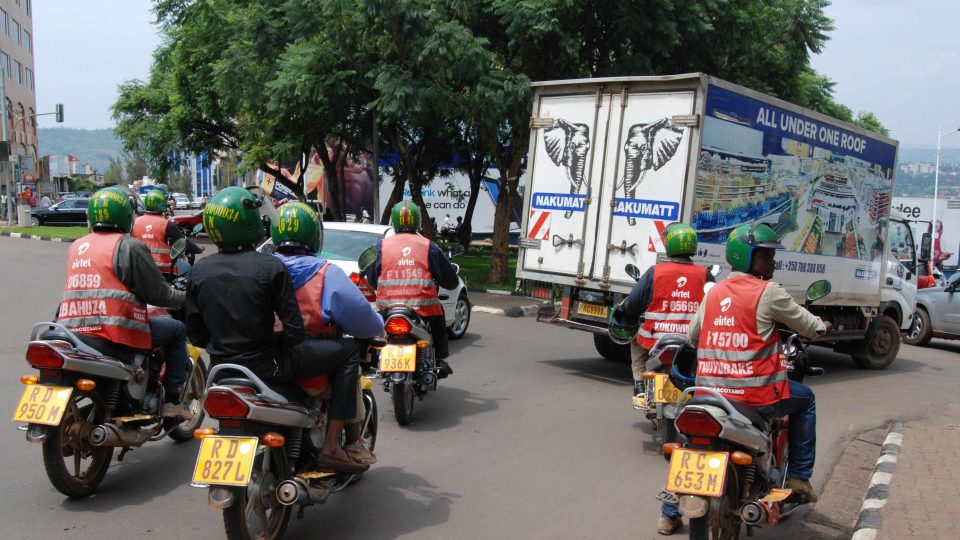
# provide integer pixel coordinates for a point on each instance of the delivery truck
(612, 161)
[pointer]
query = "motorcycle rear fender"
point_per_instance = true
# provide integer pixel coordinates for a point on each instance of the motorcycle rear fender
(108, 368)
(262, 411)
(735, 431)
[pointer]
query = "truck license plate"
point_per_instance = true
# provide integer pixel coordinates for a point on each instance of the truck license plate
(592, 310)
(696, 472)
(225, 461)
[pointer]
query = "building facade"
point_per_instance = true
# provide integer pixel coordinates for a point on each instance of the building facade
(16, 61)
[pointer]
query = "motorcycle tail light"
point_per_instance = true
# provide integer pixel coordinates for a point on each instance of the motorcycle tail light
(361, 283)
(398, 326)
(698, 422)
(667, 356)
(42, 355)
(225, 404)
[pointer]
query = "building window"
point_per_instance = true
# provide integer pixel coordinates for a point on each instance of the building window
(5, 63)
(28, 41)
(18, 72)
(4, 22)
(15, 32)
(26, 6)
(28, 73)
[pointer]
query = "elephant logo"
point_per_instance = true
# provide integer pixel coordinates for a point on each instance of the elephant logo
(567, 145)
(648, 146)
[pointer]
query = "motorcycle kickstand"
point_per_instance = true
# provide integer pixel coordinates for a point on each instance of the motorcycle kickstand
(124, 453)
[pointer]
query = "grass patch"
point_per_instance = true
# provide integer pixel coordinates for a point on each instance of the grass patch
(475, 269)
(58, 232)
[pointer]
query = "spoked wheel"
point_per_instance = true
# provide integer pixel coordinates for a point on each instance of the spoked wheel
(73, 465)
(722, 521)
(257, 514)
(193, 400)
(402, 402)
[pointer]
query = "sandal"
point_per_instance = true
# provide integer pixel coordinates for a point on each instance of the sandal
(359, 452)
(327, 463)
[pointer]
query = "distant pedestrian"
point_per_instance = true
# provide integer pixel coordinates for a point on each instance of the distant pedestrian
(446, 223)
(45, 202)
(3, 201)
(365, 217)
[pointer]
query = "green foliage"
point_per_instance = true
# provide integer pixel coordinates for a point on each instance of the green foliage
(81, 184)
(52, 231)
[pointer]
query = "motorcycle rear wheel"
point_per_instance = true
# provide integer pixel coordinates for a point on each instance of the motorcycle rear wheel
(257, 514)
(722, 521)
(193, 400)
(402, 394)
(68, 440)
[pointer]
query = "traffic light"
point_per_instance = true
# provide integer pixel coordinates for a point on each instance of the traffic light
(59, 112)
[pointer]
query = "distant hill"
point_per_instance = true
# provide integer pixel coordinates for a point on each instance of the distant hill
(917, 154)
(93, 146)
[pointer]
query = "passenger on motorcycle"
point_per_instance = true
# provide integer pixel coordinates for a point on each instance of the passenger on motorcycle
(331, 304)
(408, 269)
(233, 300)
(667, 295)
(111, 277)
(159, 233)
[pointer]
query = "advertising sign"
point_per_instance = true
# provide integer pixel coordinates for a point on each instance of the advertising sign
(947, 234)
(825, 190)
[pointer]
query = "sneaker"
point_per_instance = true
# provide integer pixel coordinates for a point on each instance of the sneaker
(802, 487)
(667, 525)
(175, 410)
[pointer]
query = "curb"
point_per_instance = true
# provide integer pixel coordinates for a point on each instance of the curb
(494, 291)
(35, 237)
(514, 311)
(869, 521)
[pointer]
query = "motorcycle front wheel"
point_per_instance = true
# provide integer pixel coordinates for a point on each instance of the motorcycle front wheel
(402, 394)
(257, 514)
(73, 465)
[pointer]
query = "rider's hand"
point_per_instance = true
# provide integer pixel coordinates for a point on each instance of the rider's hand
(180, 283)
(828, 327)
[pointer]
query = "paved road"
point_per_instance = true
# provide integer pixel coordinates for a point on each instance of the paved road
(532, 437)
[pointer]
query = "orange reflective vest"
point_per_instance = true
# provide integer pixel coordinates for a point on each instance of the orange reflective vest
(731, 355)
(310, 298)
(677, 293)
(95, 301)
(151, 229)
(405, 276)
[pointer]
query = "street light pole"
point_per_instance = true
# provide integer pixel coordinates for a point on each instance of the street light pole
(936, 179)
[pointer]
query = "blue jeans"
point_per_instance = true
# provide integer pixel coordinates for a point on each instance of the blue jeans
(171, 334)
(801, 406)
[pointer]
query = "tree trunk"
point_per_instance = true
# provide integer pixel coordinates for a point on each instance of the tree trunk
(332, 181)
(476, 178)
(509, 173)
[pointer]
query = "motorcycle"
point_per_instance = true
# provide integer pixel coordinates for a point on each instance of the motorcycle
(730, 467)
(84, 404)
(407, 363)
(254, 463)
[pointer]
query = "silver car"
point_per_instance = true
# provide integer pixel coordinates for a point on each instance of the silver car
(938, 313)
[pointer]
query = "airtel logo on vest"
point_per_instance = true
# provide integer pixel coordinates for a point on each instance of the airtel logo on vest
(681, 282)
(725, 321)
(405, 252)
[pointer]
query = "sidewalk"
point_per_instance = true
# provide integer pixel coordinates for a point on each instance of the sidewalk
(504, 304)
(925, 489)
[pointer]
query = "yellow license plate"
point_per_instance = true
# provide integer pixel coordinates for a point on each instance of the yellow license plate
(696, 472)
(664, 390)
(42, 404)
(593, 310)
(225, 461)
(398, 358)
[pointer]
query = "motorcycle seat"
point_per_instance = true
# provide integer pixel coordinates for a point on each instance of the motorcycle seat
(752, 414)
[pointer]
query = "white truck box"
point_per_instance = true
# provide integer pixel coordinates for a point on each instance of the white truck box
(613, 161)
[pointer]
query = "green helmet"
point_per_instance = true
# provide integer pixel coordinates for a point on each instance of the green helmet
(619, 331)
(232, 219)
(680, 239)
(405, 216)
(297, 226)
(744, 239)
(110, 210)
(155, 201)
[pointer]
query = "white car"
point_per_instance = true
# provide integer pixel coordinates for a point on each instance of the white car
(181, 201)
(344, 242)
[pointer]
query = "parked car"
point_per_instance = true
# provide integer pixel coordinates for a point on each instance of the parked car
(187, 222)
(196, 202)
(938, 313)
(344, 242)
(181, 201)
(67, 212)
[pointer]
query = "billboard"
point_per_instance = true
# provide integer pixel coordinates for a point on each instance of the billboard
(825, 190)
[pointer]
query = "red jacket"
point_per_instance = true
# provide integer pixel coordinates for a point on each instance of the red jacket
(95, 301)
(405, 276)
(677, 293)
(732, 356)
(310, 298)
(151, 229)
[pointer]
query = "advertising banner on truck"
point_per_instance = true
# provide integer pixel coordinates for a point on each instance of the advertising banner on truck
(824, 189)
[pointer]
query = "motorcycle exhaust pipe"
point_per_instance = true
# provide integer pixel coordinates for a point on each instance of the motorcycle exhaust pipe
(296, 491)
(752, 513)
(111, 435)
(429, 379)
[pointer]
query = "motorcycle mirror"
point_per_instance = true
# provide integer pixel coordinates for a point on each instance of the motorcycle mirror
(456, 267)
(197, 229)
(707, 286)
(366, 259)
(178, 247)
(632, 271)
(714, 270)
(818, 289)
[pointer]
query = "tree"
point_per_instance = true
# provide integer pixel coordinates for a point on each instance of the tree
(114, 173)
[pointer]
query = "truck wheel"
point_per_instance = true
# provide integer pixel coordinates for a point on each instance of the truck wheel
(921, 332)
(881, 346)
(610, 350)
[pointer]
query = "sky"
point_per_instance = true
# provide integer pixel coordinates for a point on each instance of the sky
(899, 59)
